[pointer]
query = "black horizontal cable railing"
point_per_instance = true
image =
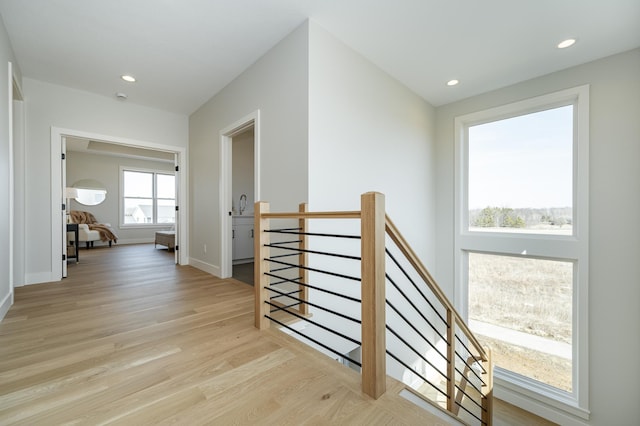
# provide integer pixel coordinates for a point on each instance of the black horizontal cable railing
(292, 248)
(298, 251)
(441, 355)
(422, 336)
(316, 341)
(421, 356)
(471, 413)
(476, 360)
(320, 271)
(470, 382)
(315, 305)
(417, 310)
(419, 330)
(424, 333)
(321, 326)
(415, 286)
(320, 289)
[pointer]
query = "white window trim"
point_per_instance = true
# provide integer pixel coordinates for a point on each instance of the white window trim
(154, 198)
(538, 398)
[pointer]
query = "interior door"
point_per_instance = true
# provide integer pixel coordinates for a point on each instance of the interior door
(177, 212)
(63, 225)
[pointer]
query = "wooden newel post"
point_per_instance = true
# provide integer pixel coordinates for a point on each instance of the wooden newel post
(260, 253)
(374, 374)
(302, 261)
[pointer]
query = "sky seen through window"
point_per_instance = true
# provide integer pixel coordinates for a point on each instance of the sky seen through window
(522, 162)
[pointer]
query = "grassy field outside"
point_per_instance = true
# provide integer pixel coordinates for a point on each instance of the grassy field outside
(528, 295)
(545, 368)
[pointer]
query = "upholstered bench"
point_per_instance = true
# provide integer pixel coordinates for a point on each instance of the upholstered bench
(166, 238)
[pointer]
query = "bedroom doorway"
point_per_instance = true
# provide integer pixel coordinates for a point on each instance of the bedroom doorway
(174, 160)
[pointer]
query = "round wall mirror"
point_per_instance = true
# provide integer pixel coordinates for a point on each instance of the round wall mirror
(90, 192)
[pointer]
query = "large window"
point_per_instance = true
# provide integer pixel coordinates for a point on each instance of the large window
(521, 173)
(521, 308)
(148, 197)
(522, 244)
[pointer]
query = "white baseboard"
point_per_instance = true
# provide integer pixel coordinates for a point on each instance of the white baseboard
(204, 266)
(120, 242)
(6, 304)
(39, 278)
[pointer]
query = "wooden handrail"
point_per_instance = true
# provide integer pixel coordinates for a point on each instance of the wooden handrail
(411, 256)
(314, 215)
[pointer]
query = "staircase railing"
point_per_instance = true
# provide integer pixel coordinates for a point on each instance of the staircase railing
(412, 327)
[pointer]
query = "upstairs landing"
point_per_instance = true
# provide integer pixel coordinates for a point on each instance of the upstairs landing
(131, 338)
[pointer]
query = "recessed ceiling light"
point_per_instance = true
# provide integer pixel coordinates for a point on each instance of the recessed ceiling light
(122, 96)
(128, 78)
(452, 82)
(566, 43)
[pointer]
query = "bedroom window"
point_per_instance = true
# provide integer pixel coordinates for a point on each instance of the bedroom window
(522, 244)
(148, 197)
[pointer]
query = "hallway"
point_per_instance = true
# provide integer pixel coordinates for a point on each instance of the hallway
(131, 338)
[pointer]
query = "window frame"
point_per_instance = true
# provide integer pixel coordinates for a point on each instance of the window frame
(154, 198)
(515, 388)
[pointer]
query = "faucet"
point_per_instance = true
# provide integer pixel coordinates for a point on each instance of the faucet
(243, 203)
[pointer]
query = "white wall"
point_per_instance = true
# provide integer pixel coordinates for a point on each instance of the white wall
(106, 169)
(368, 132)
(19, 224)
(242, 170)
(614, 230)
(49, 105)
(6, 285)
(277, 86)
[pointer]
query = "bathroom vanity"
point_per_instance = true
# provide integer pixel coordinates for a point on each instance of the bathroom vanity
(242, 234)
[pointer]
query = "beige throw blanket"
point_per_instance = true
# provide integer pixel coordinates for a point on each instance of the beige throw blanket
(106, 233)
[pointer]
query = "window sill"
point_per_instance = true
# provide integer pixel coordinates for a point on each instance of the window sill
(538, 398)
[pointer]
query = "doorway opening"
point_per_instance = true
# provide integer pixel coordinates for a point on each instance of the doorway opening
(17, 227)
(242, 201)
(175, 162)
(240, 189)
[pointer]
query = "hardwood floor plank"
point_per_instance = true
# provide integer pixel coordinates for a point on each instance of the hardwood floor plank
(17, 378)
(160, 409)
(21, 414)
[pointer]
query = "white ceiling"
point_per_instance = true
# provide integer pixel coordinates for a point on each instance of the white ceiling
(185, 51)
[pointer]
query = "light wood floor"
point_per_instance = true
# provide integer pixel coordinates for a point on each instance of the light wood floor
(130, 338)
